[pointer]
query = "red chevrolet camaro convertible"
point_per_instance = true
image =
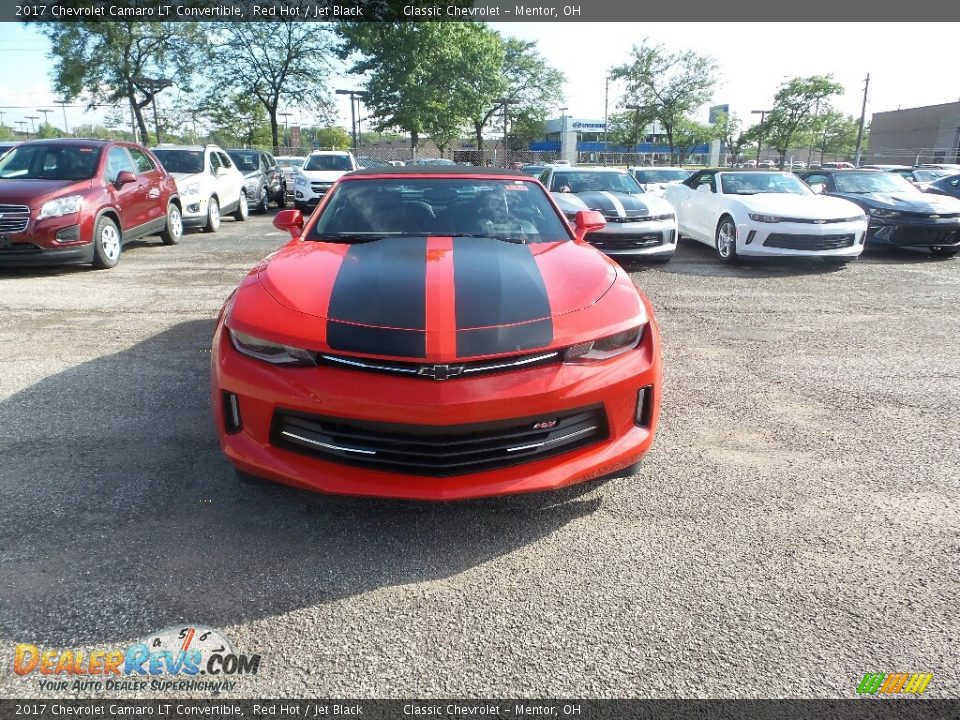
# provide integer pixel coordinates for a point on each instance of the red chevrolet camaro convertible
(436, 333)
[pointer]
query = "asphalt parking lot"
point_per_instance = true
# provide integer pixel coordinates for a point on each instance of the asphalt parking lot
(796, 525)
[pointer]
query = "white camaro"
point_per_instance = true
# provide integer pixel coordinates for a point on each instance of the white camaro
(761, 213)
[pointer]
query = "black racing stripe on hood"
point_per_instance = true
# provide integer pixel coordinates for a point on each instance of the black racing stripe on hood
(603, 202)
(382, 283)
(496, 283)
(376, 340)
(510, 338)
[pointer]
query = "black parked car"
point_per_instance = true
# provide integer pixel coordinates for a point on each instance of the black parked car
(265, 182)
(900, 215)
(949, 185)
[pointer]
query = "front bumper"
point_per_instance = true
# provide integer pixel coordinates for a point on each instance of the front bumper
(793, 239)
(545, 392)
(914, 232)
(194, 212)
(655, 238)
(311, 193)
(52, 241)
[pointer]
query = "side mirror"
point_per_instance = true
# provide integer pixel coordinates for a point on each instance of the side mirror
(818, 188)
(221, 172)
(588, 221)
(289, 220)
(704, 187)
(125, 177)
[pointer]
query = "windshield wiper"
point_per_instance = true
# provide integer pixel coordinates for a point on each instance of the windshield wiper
(348, 237)
(516, 240)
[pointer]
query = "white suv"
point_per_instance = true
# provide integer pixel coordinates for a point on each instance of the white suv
(208, 182)
(321, 169)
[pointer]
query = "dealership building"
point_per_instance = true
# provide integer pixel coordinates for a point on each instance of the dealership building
(928, 134)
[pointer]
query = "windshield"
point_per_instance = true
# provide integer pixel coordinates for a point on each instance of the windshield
(754, 183)
(661, 176)
(370, 209)
(930, 174)
(586, 181)
(180, 161)
(245, 161)
(872, 182)
(50, 162)
(328, 162)
(290, 162)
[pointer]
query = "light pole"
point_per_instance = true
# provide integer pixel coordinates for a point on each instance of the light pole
(63, 106)
(354, 95)
(21, 123)
(33, 125)
(763, 114)
(506, 147)
(46, 114)
(286, 127)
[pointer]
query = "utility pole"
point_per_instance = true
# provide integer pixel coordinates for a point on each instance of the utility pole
(606, 118)
(354, 111)
(63, 106)
(46, 115)
(33, 125)
(863, 117)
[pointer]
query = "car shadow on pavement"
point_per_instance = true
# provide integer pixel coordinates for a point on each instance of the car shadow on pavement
(120, 515)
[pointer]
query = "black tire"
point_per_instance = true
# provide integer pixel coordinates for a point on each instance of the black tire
(107, 242)
(943, 252)
(213, 216)
(282, 197)
(302, 207)
(243, 209)
(263, 203)
(837, 262)
(726, 250)
(173, 230)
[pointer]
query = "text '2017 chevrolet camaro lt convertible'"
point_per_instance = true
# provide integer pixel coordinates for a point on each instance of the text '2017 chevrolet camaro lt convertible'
(436, 333)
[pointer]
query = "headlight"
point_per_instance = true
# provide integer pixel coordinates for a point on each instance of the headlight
(301, 180)
(665, 216)
(855, 218)
(765, 218)
(61, 206)
(191, 189)
(604, 348)
(880, 212)
(271, 352)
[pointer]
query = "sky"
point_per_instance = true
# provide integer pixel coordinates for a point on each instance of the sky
(753, 59)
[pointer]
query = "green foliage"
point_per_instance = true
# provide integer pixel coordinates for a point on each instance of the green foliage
(688, 133)
(735, 138)
(797, 107)
(668, 86)
(100, 60)
(328, 137)
(281, 63)
(99, 132)
(236, 119)
(835, 134)
(626, 129)
(6, 132)
(47, 131)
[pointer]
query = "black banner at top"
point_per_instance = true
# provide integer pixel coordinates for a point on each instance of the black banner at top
(729, 11)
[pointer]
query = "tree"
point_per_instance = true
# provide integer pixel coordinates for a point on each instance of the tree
(688, 134)
(421, 77)
(278, 63)
(328, 137)
(46, 131)
(525, 78)
(102, 60)
(731, 133)
(796, 107)
(237, 119)
(836, 134)
(670, 86)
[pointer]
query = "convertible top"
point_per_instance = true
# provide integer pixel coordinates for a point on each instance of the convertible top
(439, 170)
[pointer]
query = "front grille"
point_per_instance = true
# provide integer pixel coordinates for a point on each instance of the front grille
(817, 221)
(442, 371)
(17, 249)
(623, 241)
(14, 218)
(438, 451)
(320, 188)
(809, 242)
(923, 237)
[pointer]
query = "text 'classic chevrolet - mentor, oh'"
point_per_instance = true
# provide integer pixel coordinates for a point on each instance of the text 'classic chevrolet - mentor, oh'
(436, 333)
(764, 213)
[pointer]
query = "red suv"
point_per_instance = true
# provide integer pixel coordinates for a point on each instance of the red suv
(79, 201)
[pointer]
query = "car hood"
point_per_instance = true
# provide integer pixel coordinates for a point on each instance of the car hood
(474, 296)
(184, 179)
(810, 207)
(934, 204)
(34, 192)
(616, 204)
(322, 175)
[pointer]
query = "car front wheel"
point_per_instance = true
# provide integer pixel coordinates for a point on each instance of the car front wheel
(726, 244)
(213, 216)
(943, 252)
(106, 244)
(264, 201)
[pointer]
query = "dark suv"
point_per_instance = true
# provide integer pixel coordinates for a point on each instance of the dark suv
(263, 178)
(79, 201)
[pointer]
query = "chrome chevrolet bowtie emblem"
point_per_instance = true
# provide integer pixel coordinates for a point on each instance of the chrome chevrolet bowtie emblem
(440, 372)
(819, 222)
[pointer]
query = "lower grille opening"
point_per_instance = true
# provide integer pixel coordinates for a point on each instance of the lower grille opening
(644, 406)
(438, 451)
(623, 241)
(231, 413)
(809, 242)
